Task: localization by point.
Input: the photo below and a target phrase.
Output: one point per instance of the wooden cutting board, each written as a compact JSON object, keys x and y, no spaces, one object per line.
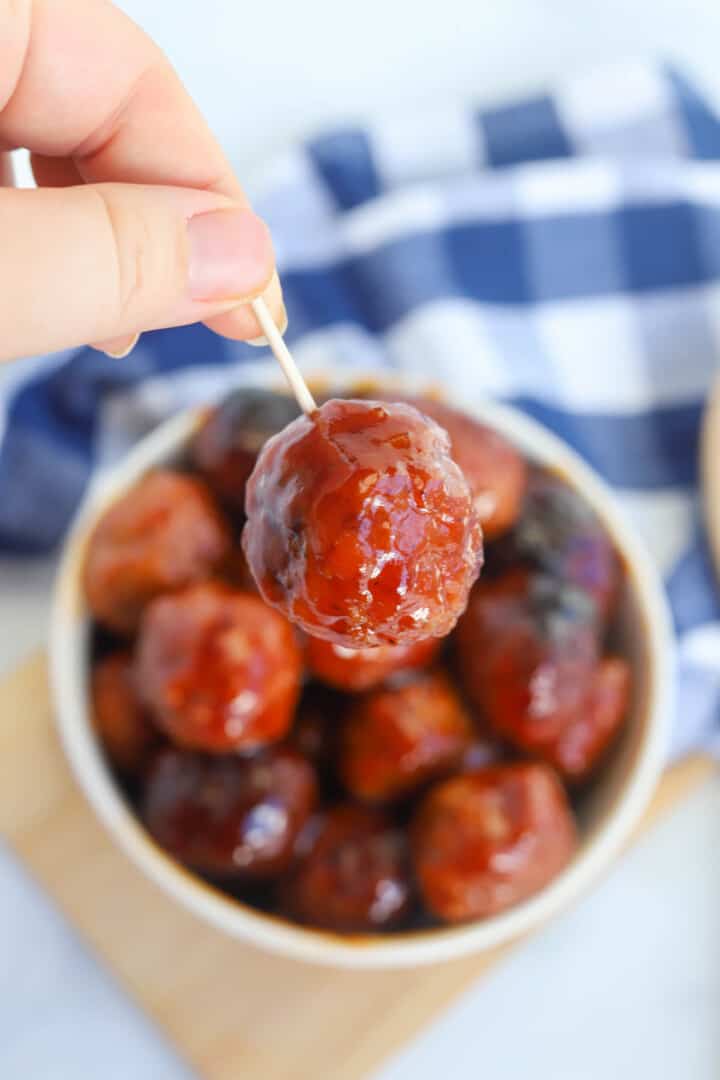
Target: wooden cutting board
{"x":231,"y":1010}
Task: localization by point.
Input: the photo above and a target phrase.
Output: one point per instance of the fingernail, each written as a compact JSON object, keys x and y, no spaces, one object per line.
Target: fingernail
{"x":274,"y":299}
{"x":230,"y":255}
{"x":118,"y":347}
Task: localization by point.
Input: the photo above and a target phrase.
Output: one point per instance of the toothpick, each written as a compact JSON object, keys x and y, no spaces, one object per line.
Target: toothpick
{"x":283,"y":356}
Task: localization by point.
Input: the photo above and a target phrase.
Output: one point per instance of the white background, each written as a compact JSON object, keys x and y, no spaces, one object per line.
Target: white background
{"x":628,"y":985}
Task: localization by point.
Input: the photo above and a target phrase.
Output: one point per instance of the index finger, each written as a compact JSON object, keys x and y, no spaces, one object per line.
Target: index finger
{"x":79,"y":80}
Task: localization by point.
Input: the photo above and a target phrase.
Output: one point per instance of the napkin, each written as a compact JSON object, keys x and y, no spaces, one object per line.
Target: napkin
{"x":561,"y":253}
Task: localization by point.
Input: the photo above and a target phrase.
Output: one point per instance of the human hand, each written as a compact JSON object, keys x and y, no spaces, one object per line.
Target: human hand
{"x":138,"y":221}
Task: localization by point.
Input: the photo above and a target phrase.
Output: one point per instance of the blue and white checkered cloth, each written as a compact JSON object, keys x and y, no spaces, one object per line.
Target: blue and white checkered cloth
{"x":562,"y":253}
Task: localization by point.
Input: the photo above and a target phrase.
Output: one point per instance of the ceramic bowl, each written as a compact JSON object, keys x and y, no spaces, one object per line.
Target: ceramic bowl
{"x":609,"y":812}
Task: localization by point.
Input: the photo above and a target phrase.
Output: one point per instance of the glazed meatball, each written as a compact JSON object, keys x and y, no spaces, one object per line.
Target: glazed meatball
{"x":363,"y":669}
{"x":581,"y":745}
{"x":218,"y":669}
{"x":227,"y":445}
{"x":560,"y":535}
{"x":229,"y":816}
{"x":162,"y":534}
{"x":355,"y":875}
{"x":528,"y":655}
{"x":495,"y":471}
{"x":118,"y":717}
{"x":395,"y":739}
{"x":527,"y":650}
{"x":485,"y":841}
{"x":360,"y":526}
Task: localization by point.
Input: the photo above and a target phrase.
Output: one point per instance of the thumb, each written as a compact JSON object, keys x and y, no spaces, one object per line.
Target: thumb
{"x":98,"y":263}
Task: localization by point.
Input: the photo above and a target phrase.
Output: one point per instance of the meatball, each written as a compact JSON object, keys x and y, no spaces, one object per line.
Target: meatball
{"x":485,"y":841}
{"x":581,"y":745}
{"x":162,"y":534}
{"x":118,"y":717}
{"x":495,"y":471}
{"x":218,"y":669}
{"x":528,"y":655}
{"x":355,"y":875}
{"x":229,"y":816}
{"x":226,"y":446}
{"x":360,"y":526}
{"x":395,"y":739}
{"x":560,"y":535}
{"x":527,"y":651}
{"x":363,"y":669}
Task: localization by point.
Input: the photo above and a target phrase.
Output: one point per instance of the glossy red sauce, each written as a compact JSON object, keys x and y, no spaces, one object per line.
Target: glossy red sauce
{"x":361,"y":528}
{"x":218,"y":669}
{"x":485,"y":841}
{"x":230,"y":816}
{"x":363,"y":669}
{"x":529,"y":655}
{"x":164,"y":533}
{"x":354,"y":875}
{"x":495,"y":470}
{"x":395,"y":739}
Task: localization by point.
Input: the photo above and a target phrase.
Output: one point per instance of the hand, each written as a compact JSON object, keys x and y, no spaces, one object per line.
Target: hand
{"x":138,"y":221}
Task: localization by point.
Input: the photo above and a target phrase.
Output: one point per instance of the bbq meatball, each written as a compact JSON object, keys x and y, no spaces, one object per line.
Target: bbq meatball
{"x":360,"y":526}
{"x":560,"y":535}
{"x":528,"y":656}
{"x":118,"y":717}
{"x":485,"y":841}
{"x":495,"y":471}
{"x":395,"y":739}
{"x":363,"y":669}
{"x":229,"y":816}
{"x":226,"y":446}
{"x":527,"y":650}
{"x":581,"y":745}
{"x":218,"y":669}
{"x":355,"y":875}
{"x":162,"y":534}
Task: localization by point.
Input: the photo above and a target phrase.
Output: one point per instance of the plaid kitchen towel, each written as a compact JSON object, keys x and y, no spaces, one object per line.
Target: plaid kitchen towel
{"x":561,"y":253}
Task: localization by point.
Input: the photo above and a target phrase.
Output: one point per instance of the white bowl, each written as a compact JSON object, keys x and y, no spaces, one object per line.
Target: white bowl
{"x":610,"y":811}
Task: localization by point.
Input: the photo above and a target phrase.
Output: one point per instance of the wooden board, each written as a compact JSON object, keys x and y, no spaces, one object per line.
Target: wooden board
{"x":230,"y":1010}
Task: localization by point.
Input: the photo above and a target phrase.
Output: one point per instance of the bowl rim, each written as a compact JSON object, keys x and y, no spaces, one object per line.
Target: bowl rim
{"x":67,"y":648}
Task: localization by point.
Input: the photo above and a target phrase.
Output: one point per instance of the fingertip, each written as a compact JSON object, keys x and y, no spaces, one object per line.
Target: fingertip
{"x":241,"y":324}
{"x":118,"y":348}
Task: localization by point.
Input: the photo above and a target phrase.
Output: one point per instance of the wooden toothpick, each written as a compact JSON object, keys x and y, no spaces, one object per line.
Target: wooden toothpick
{"x":284,"y":357}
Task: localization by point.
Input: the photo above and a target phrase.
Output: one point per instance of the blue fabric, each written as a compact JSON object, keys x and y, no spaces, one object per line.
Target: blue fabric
{"x":561,"y":253}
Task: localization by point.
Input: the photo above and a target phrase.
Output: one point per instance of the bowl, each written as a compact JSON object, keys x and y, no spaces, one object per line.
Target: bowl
{"x":609,"y":811}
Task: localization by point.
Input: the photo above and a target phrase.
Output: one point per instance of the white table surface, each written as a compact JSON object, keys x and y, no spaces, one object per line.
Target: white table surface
{"x":627,"y":986}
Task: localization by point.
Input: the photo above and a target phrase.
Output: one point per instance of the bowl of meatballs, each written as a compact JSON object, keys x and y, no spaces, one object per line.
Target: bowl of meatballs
{"x":381,"y":686}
